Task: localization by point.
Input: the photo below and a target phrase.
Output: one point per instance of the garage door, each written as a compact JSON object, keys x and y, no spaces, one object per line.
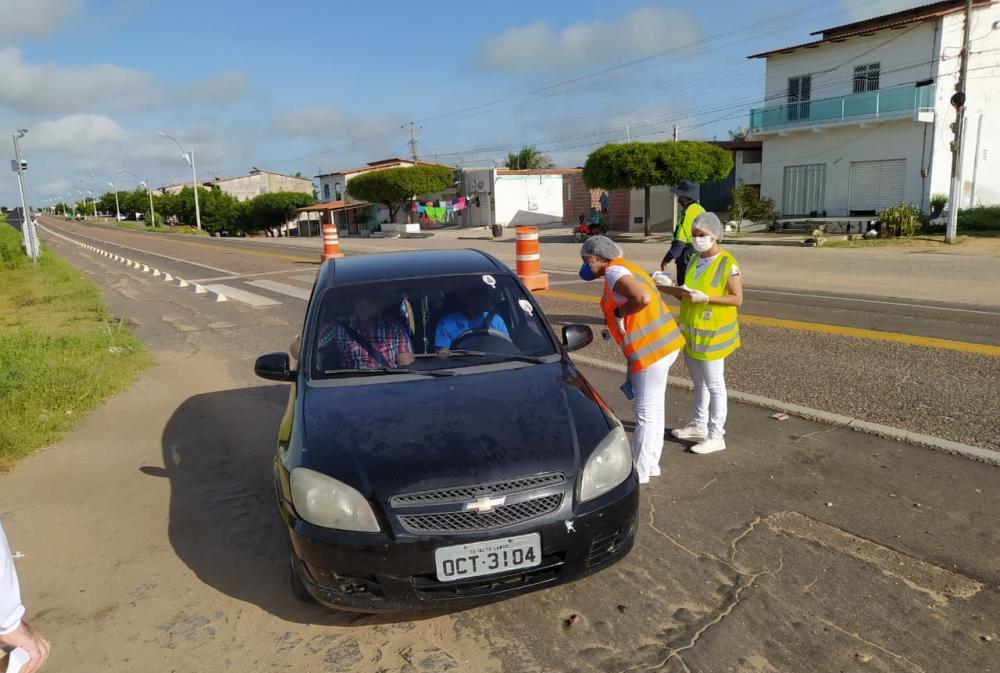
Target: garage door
{"x":876,"y":185}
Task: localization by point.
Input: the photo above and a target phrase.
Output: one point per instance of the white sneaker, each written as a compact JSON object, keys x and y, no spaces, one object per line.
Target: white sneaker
{"x":655,"y":472}
{"x":690,"y":432}
{"x":710,"y":445}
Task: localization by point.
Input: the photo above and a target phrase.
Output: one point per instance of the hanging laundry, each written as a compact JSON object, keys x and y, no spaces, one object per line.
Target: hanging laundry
{"x":435,"y":214}
{"x":420,"y":208}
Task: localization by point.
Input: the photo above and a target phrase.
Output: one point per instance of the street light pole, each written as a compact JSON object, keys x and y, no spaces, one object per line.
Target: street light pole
{"x":958,"y":102}
{"x":143,"y":183}
{"x":27,"y":228}
{"x":118,"y":211}
{"x":189,"y":157}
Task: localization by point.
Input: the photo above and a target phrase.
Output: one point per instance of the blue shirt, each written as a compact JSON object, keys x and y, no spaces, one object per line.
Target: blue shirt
{"x":453,"y":324}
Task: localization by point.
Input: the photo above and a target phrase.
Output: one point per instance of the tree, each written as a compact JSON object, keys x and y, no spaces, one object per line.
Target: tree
{"x":740,"y":133}
{"x":393,"y":186}
{"x":747,"y":204}
{"x":271,"y":211}
{"x":646,"y":165}
{"x":529,"y":158}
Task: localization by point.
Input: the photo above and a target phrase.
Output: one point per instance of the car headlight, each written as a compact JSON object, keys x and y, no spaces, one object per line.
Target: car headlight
{"x":324,"y":501}
{"x":610,"y":465}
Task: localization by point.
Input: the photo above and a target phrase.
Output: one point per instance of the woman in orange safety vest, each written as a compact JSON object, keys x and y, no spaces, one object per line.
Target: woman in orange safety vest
{"x":640,"y":322}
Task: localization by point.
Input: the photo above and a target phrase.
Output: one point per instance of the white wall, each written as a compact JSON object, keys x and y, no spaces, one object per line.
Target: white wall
{"x":904,"y":60}
{"x":661,"y":208}
{"x":528,"y":199}
{"x":837,"y":147}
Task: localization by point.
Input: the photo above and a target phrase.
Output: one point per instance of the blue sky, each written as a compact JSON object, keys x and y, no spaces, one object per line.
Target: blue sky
{"x":311,"y":86}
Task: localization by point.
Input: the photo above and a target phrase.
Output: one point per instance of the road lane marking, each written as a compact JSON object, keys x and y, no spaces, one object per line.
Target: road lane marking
{"x":281,"y":288}
{"x":305,"y":279}
{"x":250,"y":298}
{"x":914,"y":573}
{"x":240,"y":276}
{"x":875,"y":301}
{"x":837,"y":330}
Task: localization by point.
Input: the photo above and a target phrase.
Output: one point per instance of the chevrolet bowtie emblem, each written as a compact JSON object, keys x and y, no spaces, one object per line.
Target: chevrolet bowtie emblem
{"x":484,"y":504}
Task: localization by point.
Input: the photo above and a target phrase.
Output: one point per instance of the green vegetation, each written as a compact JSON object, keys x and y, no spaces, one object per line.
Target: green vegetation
{"x":393,"y":186}
{"x":978,"y":221}
{"x":61,"y":352}
{"x":938,"y":203}
{"x":747,"y":204}
{"x":646,"y":165}
{"x":528,"y":158}
{"x":900,"y":220}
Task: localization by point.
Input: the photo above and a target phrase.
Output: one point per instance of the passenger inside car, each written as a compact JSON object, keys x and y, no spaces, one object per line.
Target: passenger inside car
{"x":368,"y":332}
{"x":475,"y":311}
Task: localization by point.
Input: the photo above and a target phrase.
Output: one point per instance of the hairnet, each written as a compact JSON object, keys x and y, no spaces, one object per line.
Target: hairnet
{"x":600,"y":246}
{"x":709,"y":222}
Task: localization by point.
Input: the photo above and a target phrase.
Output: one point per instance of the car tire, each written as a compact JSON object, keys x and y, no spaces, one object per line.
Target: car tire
{"x":298,"y":586}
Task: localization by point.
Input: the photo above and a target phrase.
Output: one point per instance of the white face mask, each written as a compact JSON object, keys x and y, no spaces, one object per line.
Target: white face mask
{"x":702,"y":243}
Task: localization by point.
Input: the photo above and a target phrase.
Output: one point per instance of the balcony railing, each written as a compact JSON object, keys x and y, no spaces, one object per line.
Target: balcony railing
{"x":895,"y":102}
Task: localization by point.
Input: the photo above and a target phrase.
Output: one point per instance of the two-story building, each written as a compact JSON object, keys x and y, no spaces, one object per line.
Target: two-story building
{"x":859,"y":118}
{"x":246,"y":187}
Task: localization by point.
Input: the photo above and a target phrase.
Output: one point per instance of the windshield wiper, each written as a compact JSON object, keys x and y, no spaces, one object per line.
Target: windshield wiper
{"x":506,"y":356}
{"x":389,"y":370}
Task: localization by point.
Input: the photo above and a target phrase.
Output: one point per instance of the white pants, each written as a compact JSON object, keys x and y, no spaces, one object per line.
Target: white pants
{"x":710,"y":398}
{"x":650,"y":386}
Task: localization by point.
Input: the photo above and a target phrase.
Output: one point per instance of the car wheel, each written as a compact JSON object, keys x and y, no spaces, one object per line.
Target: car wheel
{"x":298,"y":587}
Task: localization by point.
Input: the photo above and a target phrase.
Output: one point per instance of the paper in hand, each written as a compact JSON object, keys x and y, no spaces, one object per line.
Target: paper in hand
{"x":17,"y":659}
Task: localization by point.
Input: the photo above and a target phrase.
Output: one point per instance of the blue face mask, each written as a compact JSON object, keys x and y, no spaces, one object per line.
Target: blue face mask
{"x":586,"y":273}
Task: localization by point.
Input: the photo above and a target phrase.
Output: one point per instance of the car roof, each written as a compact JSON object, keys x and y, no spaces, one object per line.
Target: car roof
{"x":409,"y":264}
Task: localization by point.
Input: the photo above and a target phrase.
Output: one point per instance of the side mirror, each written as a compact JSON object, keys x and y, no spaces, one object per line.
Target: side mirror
{"x":576,"y":337}
{"x":274,"y":366}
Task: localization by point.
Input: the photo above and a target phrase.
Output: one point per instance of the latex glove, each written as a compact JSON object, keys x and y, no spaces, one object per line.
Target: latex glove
{"x":698,"y":297}
{"x":662,"y":279}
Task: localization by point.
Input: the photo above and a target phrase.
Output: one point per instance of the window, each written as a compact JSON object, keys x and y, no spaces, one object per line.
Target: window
{"x":326,"y":192}
{"x":799,"y":94}
{"x":804,"y":190}
{"x":338,"y":195}
{"x":866,"y":77}
{"x":752,"y":156}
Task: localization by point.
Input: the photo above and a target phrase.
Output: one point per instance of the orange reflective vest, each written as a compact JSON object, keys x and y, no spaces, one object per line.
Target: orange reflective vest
{"x":652,"y":333}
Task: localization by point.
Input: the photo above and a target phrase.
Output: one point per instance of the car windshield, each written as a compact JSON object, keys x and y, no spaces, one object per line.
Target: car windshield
{"x":427,"y":325}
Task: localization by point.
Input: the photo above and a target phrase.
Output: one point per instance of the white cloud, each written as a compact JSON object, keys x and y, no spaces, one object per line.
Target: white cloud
{"x":329,"y":122}
{"x":32,"y":88}
{"x":77,"y":134}
{"x":230,"y":86}
{"x":33,"y":18}
{"x":870,"y":10}
{"x":641,"y":32}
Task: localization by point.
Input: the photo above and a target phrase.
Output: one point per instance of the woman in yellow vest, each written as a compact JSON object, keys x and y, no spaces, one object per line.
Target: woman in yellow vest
{"x":640,"y":322}
{"x":711,"y":292}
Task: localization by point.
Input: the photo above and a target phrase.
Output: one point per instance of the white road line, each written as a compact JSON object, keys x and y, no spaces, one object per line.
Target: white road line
{"x":243,"y":275}
{"x":305,"y":279}
{"x":874,"y":301}
{"x":250,"y":298}
{"x":281,"y":288}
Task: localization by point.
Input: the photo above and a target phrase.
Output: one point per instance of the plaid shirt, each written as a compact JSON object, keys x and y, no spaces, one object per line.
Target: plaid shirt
{"x":387,"y":338}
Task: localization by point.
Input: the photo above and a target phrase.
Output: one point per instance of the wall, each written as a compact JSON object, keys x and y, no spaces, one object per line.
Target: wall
{"x":836,"y":148}
{"x":577,"y":198}
{"x":906,"y":59}
{"x":528,"y":199}
{"x":661,"y":209}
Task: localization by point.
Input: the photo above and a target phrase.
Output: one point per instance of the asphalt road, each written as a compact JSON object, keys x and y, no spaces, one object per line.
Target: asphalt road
{"x":919,"y":365}
{"x":801,"y":548}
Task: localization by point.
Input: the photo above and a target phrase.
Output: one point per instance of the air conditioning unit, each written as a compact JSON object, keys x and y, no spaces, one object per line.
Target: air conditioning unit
{"x":480,"y":185}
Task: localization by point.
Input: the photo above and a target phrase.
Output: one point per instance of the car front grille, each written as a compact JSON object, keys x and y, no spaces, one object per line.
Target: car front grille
{"x":468,"y":522}
{"x":467,"y":493}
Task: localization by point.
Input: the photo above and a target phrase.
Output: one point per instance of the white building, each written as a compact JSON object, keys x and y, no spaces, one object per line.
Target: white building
{"x":860,"y":118}
{"x":513,"y":198}
{"x":246,"y":187}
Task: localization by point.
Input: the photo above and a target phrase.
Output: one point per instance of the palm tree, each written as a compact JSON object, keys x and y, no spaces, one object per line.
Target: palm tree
{"x":528,"y":158}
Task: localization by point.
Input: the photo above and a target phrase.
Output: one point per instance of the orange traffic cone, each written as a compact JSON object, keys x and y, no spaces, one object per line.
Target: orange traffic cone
{"x":529,"y":259}
{"x":331,"y":242}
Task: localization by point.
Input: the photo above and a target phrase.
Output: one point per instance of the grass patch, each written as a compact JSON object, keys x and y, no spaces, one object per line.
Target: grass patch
{"x":61,"y":351}
{"x":138,"y":226}
{"x":904,"y":241}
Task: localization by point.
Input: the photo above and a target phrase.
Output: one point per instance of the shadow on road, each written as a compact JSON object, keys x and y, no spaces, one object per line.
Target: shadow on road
{"x":224,"y":525}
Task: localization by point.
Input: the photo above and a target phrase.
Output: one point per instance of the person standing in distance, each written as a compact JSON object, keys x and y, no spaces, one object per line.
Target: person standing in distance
{"x":712,"y":291}
{"x":641,"y":323}
{"x":687,"y":193}
{"x":15,"y":632}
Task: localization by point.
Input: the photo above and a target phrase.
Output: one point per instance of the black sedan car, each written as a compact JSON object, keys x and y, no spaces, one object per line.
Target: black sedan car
{"x":439,"y":447}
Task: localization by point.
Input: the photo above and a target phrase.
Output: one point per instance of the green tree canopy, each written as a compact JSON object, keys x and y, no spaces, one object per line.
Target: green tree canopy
{"x":529,"y":157}
{"x":393,"y":186}
{"x":646,"y":165}
{"x":270,"y":211}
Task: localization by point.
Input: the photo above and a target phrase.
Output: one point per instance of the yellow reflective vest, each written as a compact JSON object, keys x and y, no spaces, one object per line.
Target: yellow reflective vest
{"x":683,"y":230}
{"x":712,"y":331}
{"x":652,"y":333}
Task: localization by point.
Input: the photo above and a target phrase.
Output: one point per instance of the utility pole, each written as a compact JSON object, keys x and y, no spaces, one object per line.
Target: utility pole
{"x":675,"y":196}
{"x":413,"y":139}
{"x":27,"y":224}
{"x":958,"y":102}
{"x":628,"y":137}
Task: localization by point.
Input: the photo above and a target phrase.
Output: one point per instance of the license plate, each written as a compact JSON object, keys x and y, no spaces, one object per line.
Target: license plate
{"x":488,"y":558}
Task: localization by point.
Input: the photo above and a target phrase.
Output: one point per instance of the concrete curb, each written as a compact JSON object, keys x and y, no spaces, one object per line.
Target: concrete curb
{"x":808,"y":413}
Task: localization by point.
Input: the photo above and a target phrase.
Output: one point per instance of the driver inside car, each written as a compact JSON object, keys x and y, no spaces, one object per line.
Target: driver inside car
{"x":371,"y":335}
{"x":475,"y":313}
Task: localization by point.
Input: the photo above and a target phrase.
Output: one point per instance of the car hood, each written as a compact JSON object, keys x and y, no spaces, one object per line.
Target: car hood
{"x":395,"y":436}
